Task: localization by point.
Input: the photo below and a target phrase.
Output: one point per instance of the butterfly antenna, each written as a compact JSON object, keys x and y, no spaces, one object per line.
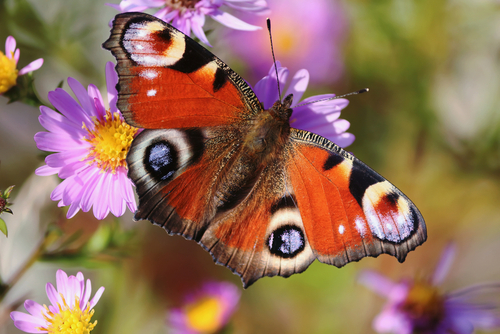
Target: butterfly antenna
{"x":272,"y":51}
{"x":364,"y":90}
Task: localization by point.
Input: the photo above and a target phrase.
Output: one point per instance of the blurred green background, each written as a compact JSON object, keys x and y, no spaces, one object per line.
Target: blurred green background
{"x":430,"y":124}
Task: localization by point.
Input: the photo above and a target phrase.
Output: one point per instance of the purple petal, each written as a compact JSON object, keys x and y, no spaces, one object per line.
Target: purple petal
{"x":65,"y":104}
{"x":47,"y":141}
{"x":93,"y":178}
{"x":62,"y":283}
{"x":376,"y":282}
{"x":10,"y":46}
{"x":71,"y":169}
{"x":80,"y":285}
{"x":33,"y":66}
{"x":126,"y":188}
{"x":343,"y":140}
{"x":117,"y":203}
{"x":101,"y":203}
{"x":86,"y":295}
{"x":97,"y":296}
{"x":82,"y":96}
{"x":197,"y":26}
{"x":111,"y":81}
{"x":232,"y":22}
{"x":71,"y":291}
{"x":27,"y":323}
{"x":98,"y":102}
{"x":57,"y":123}
{"x":52,"y":294}
{"x":444,"y":264}
{"x":392,"y":321}
{"x":298,"y":85}
{"x":267,"y":88}
{"x":72,"y":210}
{"x":58,"y":160}
{"x":46,"y":171}
{"x":258,"y":7}
{"x":34,"y":308}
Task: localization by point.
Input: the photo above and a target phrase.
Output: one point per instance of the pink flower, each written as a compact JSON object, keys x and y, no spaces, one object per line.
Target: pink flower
{"x":91,"y":144}
{"x":321,"y":118}
{"x":417,"y":306}
{"x":71,"y":306}
{"x":206,"y":311}
{"x":309,"y":33}
{"x":8,"y":65}
{"x":189,"y":15}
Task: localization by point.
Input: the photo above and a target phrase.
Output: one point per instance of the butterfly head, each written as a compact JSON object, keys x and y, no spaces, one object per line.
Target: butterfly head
{"x":282,"y":110}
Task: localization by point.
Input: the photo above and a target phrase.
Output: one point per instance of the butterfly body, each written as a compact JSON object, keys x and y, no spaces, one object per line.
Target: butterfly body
{"x":212,"y":165}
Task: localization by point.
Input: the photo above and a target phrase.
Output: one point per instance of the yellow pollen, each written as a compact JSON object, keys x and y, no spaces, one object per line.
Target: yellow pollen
{"x":8,"y":72}
{"x":205,"y":315}
{"x":425,"y":302}
{"x":111,"y":138}
{"x":69,"y":321}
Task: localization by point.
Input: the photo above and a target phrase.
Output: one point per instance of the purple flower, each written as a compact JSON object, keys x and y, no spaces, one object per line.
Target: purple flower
{"x":321,"y":118}
{"x":8,"y":64}
{"x":71,"y":306}
{"x":304,"y":33}
{"x":417,"y":306}
{"x":91,"y":144}
{"x":189,"y":15}
{"x":206,"y":311}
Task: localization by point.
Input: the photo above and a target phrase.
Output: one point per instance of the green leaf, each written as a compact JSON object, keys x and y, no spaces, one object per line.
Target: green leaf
{"x":7,"y":191}
{"x":3,"y":227}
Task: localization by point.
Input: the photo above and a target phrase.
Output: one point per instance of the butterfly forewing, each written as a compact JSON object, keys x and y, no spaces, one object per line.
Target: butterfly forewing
{"x":167,"y":80}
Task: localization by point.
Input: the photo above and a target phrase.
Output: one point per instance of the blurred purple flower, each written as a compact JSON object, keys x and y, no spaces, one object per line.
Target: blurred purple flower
{"x":321,"y":118}
{"x":206,"y":311}
{"x":417,"y":306}
{"x":71,"y":307}
{"x":8,"y":64}
{"x":189,"y":15}
{"x":91,"y":144}
{"x":304,"y":33}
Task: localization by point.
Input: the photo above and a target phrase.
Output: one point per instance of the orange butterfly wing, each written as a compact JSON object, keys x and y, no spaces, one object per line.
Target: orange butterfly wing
{"x":167,"y":80}
{"x":349,"y":210}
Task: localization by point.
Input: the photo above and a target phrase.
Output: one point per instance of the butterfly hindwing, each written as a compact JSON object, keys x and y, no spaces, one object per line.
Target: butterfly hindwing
{"x":349,"y":210}
{"x":167,"y":80}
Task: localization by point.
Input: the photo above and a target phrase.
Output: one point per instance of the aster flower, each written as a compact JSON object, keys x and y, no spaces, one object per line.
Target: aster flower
{"x":206,"y":311}
{"x":71,"y":307}
{"x":91,"y":144}
{"x":317,"y":42}
{"x":418,"y":306}
{"x":321,"y":118}
{"x":8,"y":65}
{"x":189,"y":15}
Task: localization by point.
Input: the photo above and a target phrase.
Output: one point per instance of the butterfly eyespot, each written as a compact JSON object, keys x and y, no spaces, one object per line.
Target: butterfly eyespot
{"x":286,"y":241}
{"x":161,"y":160}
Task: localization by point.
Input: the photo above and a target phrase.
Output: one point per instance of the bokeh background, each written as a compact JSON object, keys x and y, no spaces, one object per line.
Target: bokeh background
{"x":430,"y":124}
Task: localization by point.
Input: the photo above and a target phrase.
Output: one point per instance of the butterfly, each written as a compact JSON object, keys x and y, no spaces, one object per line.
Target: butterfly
{"x":212,"y":165}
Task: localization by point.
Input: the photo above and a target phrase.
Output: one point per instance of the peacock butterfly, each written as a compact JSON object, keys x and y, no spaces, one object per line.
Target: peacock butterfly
{"x":212,"y":165}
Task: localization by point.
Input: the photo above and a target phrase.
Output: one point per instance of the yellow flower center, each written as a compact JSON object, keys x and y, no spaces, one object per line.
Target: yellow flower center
{"x":425,"y":303}
{"x":111,"y":138}
{"x":205,"y":315}
{"x":8,"y":72}
{"x":69,"y":321}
